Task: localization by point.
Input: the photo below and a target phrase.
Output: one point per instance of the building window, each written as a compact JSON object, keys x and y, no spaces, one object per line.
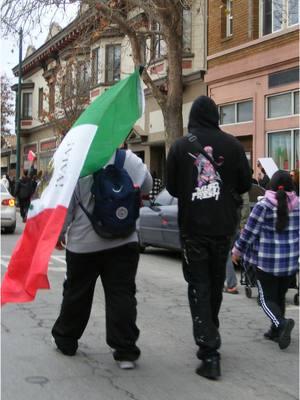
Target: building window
{"x":229,"y":18}
{"x":278,"y":14}
{"x":296,"y":148}
{"x":113,"y":63}
{"x":41,"y":99}
{"x":51,"y":97}
{"x":283,"y":147}
{"x":284,"y":77}
{"x":293,"y":12}
{"x":226,"y":19}
{"x":187,"y":30}
{"x":158,"y":45}
{"x":283,"y":105}
{"x":82,"y":79}
{"x":236,"y":112}
{"x":296,"y":103}
{"x":95,"y":66}
{"x":27,"y":105}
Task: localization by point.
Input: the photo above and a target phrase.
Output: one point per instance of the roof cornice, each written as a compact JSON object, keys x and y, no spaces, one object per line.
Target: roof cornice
{"x":55,"y":44}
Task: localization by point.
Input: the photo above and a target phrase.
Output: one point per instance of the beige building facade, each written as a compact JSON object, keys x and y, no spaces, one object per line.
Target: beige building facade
{"x":109,"y":60}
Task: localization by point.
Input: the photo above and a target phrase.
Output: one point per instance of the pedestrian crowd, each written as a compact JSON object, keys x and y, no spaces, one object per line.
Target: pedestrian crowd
{"x":24,"y":189}
{"x":208,"y":171}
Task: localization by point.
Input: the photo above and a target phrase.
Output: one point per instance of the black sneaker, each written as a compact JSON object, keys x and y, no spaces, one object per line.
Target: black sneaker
{"x":284,"y":338}
{"x":65,"y":350}
{"x":272,"y":334}
{"x":210,"y":368}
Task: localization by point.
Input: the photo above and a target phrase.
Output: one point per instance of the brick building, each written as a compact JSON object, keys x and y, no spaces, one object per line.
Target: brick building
{"x":253,"y":75}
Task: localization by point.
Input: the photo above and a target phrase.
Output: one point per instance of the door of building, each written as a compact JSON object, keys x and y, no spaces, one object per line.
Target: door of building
{"x":158,"y":161}
{"x":246,"y":142}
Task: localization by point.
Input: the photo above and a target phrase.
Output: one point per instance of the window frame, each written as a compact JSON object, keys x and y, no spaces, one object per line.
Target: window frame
{"x":292,"y":132}
{"x":187,"y":27}
{"x":82,"y":78}
{"x":51,"y":97}
{"x":41,"y":101}
{"x":95,"y":80}
{"x":156,"y":52}
{"x":293,"y":114}
{"x":27,"y":113}
{"x":107,"y":47}
{"x":235,"y":112}
{"x":229,"y":19}
{"x":285,"y":17}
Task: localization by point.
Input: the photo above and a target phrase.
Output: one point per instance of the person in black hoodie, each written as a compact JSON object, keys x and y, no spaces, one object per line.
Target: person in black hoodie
{"x":23,"y":192}
{"x":207,"y":170}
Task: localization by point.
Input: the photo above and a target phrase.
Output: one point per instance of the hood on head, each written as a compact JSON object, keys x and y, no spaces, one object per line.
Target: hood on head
{"x":204,"y":113}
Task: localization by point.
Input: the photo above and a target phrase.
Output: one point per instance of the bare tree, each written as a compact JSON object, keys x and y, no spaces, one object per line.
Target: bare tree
{"x":7,"y":109}
{"x":68,"y":93}
{"x":163,"y":18}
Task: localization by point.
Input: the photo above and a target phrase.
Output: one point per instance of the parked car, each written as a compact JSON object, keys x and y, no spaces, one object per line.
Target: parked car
{"x":8,"y":211}
{"x":158,"y":226}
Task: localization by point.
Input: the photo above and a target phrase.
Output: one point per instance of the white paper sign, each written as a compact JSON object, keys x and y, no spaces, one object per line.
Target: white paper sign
{"x":268,"y":165}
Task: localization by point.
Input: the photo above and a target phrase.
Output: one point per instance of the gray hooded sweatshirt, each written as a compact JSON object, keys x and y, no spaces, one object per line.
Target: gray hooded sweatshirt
{"x":80,"y":235}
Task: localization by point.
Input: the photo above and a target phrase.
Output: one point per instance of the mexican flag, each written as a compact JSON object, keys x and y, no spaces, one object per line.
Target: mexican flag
{"x":88,"y":146}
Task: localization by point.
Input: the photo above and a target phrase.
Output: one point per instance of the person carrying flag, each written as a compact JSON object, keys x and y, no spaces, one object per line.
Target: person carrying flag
{"x":115,"y":260}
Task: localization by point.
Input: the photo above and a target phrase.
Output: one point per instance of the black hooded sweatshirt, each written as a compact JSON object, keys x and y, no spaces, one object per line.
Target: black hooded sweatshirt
{"x":208,"y":193}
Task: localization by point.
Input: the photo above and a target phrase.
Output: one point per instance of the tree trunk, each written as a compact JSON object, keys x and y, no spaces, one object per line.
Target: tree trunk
{"x":173,"y":110}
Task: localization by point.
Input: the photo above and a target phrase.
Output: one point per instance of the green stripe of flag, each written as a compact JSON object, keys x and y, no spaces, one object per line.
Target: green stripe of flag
{"x":114,"y":113}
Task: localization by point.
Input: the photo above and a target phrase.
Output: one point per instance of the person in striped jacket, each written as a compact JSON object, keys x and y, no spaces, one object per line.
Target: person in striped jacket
{"x":270,"y":241}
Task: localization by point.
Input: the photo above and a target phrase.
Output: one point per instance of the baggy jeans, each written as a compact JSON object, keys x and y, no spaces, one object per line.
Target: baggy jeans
{"x":117,"y":269}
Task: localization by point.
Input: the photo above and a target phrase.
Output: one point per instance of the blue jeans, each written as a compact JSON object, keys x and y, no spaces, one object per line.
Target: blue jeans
{"x":231,"y":280}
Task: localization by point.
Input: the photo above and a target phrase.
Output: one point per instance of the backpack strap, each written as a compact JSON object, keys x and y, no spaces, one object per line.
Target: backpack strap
{"x":120,"y":158}
{"x":193,"y":139}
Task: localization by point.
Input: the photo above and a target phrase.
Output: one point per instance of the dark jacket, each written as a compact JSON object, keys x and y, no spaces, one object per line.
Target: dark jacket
{"x":208,"y":196}
{"x":23,"y":190}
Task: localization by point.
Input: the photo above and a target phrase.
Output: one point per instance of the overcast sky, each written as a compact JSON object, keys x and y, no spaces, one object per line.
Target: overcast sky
{"x":9,"y":47}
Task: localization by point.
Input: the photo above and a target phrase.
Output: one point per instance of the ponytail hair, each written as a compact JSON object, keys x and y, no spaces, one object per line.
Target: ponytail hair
{"x":281,"y":183}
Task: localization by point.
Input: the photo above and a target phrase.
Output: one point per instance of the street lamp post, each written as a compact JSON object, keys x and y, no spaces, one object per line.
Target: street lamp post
{"x":18,"y":114}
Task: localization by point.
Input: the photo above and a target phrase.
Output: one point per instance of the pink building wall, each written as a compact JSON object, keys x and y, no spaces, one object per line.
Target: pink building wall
{"x":247,"y":78}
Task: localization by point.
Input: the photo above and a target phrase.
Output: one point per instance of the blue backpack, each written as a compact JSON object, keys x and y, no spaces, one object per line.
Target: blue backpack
{"x":117,"y":200}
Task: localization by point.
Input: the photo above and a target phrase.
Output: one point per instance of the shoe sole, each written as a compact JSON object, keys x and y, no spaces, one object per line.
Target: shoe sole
{"x":126,"y":365}
{"x":284,"y":339}
{"x":213,"y":376}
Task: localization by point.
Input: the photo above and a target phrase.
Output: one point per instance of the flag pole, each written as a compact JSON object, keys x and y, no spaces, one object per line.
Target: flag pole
{"x":18,"y":130}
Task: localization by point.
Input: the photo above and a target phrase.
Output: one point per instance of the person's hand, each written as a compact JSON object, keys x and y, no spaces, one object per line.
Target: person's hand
{"x":61,"y":244}
{"x":235,"y":259}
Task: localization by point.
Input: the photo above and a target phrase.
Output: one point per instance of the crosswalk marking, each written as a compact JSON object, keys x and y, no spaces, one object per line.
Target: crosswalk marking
{"x":5,"y":260}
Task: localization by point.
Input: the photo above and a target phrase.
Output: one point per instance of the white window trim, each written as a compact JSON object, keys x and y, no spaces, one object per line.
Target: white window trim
{"x":229,"y":17}
{"x":235,"y":112}
{"x":285,"y":20}
{"x":292,"y":134}
{"x":292,"y":105}
{"x":22,"y":105}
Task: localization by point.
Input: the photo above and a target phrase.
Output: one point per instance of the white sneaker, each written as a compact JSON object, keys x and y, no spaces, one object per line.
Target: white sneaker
{"x":126,"y":364}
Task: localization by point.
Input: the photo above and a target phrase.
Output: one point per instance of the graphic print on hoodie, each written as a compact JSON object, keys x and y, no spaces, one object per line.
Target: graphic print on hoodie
{"x":209,"y":181}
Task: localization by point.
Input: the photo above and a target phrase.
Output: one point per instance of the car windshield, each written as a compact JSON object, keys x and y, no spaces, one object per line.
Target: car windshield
{"x":3,"y":188}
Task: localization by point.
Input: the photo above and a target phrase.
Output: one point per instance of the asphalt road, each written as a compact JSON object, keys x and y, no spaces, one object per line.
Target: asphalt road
{"x":252,"y":368}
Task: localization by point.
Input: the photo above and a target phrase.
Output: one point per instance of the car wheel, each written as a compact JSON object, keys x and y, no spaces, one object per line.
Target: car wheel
{"x":142,"y":248}
{"x":11,"y":229}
